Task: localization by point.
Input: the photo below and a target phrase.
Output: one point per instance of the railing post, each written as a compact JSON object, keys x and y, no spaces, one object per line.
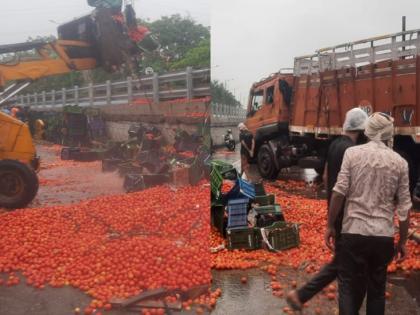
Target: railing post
{"x":190,"y":88}
{"x":53,"y":97}
{"x":156,"y":98}
{"x":394,"y":49}
{"x":36,"y":98}
{"x":64,"y":96}
{"x":76,"y":95}
{"x":21,"y":99}
{"x":108,"y":92}
{"x":130,"y":90}
{"x":44,"y":98}
{"x":90,"y":92}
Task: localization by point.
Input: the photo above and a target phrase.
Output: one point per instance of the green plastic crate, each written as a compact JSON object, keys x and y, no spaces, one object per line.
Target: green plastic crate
{"x":228,"y":171}
{"x":241,"y":238}
{"x":283,"y":235}
{"x":258,"y":238}
{"x":265,"y":200}
{"x":216,"y":181}
{"x":270,"y":209}
{"x":218,"y":218}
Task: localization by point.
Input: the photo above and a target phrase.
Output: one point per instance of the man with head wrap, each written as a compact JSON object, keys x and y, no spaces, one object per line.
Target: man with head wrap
{"x":374,"y":182}
{"x":353,"y":128}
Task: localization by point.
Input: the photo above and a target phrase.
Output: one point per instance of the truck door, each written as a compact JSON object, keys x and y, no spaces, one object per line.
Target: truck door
{"x":254,"y":115}
{"x":269,"y":115}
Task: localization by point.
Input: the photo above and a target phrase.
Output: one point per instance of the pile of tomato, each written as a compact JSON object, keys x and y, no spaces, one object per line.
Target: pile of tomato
{"x":311,"y":215}
{"x":114,"y":246}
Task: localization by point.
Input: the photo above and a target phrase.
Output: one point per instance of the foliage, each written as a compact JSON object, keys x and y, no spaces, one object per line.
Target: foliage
{"x":197,"y":57}
{"x":183,"y":42}
{"x":221,"y":95}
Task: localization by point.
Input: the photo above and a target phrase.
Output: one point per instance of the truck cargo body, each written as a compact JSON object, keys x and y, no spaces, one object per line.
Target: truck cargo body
{"x":295,"y":116}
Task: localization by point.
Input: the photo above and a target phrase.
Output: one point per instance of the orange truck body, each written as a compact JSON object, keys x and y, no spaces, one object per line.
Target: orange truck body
{"x":308,"y":106}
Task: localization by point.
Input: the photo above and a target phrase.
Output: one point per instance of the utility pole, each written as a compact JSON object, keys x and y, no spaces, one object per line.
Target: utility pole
{"x":403,"y":22}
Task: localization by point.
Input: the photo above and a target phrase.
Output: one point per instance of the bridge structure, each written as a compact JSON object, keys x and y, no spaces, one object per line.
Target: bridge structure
{"x":177,"y":93}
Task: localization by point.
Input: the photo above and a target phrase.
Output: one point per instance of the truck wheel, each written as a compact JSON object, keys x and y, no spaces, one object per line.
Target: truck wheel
{"x":18,"y":184}
{"x":320,"y":170}
{"x":266,"y":164}
{"x":412,"y":169}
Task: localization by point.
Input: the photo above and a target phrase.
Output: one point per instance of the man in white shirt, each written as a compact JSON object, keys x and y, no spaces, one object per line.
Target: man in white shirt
{"x":374,"y":183}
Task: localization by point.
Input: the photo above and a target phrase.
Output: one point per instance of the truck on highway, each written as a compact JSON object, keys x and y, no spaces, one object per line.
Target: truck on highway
{"x":294,"y":115}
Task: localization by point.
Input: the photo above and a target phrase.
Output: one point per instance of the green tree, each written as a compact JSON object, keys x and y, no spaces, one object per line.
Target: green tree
{"x":219,"y":94}
{"x":183,"y":43}
{"x":198,"y":57}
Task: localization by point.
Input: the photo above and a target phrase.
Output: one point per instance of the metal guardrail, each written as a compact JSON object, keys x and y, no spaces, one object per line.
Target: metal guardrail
{"x":154,"y":89}
{"x":354,"y":54}
{"x":225,"y":111}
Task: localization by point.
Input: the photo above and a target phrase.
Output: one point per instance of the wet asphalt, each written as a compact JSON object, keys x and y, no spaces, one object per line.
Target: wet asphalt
{"x":254,"y":297}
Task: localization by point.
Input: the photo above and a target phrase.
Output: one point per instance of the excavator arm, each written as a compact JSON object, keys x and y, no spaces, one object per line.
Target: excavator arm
{"x":32,"y":61}
{"x":105,"y":38}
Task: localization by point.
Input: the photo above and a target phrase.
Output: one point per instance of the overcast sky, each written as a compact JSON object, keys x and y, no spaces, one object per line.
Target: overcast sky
{"x":24,"y":18}
{"x":253,"y":38}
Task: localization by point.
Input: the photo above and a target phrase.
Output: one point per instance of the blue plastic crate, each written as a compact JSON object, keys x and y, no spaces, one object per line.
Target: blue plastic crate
{"x":237,"y":221}
{"x":238,"y":212}
{"x":242,"y":189}
{"x":238,"y":206}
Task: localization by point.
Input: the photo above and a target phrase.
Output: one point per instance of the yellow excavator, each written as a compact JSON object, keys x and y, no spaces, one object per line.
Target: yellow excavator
{"x":109,"y":37}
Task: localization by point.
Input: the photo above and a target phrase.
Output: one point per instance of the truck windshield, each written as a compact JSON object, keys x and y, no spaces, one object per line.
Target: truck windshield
{"x":257,"y":100}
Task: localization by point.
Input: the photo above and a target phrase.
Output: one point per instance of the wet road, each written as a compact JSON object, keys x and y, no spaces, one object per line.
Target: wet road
{"x":61,"y":182}
{"x":65,"y":182}
{"x":255,"y":297}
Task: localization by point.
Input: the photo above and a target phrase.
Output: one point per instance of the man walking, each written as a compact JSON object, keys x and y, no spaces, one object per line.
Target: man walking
{"x":374,"y":182}
{"x":353,"y":128}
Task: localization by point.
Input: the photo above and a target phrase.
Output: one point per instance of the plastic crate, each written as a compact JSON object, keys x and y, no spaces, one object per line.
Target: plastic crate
{"x":216,"y":181}
{"x":228,"y":171}
{"x":259,"y":189}
{"x":218,"y":218}
{"x":181,"y":176}
{"x":270,"y":209}
{"x":133,"y":182}
{"x":67,"y":153}
{"x":265,"y":200}
{"x":268,"y":215}
{"x":283,"y":235}
{"x":196,"y":171}
{"x":110,"y":165}
{"x":221,"y":166}
{"x":241,"y":238}
{"x":241,"y":189}
{"x":238,"y":212}
{"x":257,"y":238}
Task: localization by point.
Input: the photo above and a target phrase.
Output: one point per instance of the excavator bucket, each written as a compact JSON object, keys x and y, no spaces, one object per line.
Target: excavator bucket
{"x":115,"y":37}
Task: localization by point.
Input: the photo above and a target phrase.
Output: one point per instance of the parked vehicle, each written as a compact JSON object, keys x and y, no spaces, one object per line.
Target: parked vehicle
{"x":230,"y":143}
{"x":294,"y":115}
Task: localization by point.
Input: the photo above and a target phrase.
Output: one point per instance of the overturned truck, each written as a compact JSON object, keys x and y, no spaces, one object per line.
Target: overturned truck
{"x":295,"y":115}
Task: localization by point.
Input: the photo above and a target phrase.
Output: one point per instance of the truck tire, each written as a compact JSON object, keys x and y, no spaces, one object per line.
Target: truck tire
{"x":412,"y":169}
{"x":266,"y":164}
{"x":18,"y":184}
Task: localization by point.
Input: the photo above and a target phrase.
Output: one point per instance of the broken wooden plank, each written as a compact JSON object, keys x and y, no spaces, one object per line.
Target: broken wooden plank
{"x":195,"y":292}
{"x":147,"y":295}
{"x":176,"y":306}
